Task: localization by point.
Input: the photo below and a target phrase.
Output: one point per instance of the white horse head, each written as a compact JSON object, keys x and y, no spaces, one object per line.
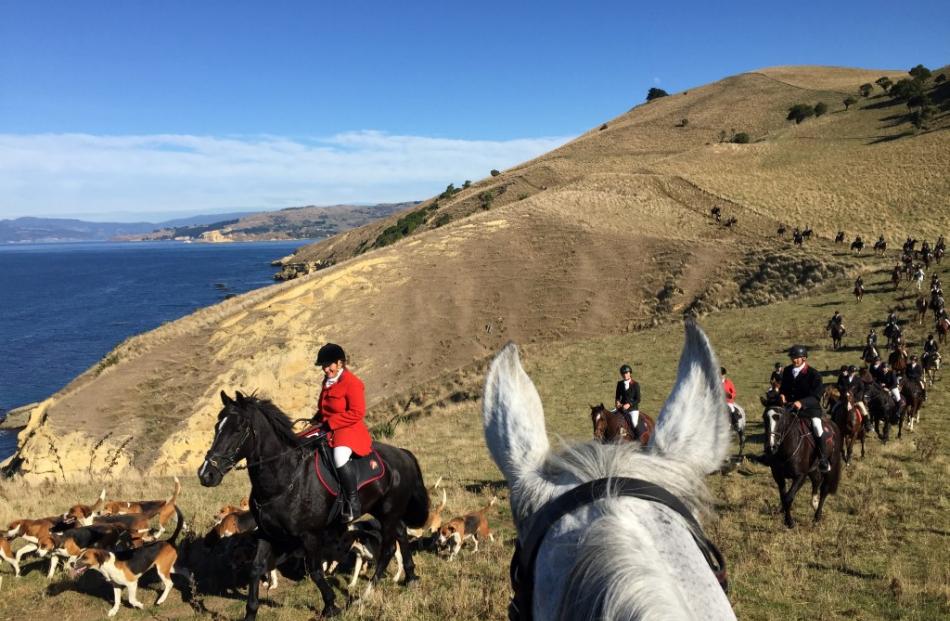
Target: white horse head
{"x":620,"y":557}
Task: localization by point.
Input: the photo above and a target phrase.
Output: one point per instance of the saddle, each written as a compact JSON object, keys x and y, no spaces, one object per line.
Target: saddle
{"x":369,"y":468}
{"x":828,"y":432}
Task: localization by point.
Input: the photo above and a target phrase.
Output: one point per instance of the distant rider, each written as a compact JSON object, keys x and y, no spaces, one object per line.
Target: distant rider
{"x":627,"y":398}
{"x":730,"y":389}
{"x":801,"y":390}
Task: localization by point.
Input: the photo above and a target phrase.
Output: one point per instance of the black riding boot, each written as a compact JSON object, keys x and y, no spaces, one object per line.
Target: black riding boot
{"x":823,"y":464}
{"x":351,"y":498}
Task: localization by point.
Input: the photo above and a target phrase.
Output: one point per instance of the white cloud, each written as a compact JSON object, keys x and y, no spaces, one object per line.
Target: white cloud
{"x":78,"y":174}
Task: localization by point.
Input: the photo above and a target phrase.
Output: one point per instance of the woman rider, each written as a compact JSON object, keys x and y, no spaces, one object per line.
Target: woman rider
{"x":627,"y":398}
{"x":341,"y":409}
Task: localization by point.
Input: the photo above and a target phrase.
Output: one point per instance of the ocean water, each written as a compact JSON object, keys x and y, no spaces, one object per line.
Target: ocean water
{"x":65,"y":306}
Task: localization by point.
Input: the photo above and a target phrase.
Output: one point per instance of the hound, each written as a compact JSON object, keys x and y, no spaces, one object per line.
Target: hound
{"x":124,"y":568}
{"x":223,"y":512}
{"x":434,"y":521}
{"x":83,"y":515}
{"x":164,"y":509}
{"x":470,"y":527}
{"x":37,"y":533}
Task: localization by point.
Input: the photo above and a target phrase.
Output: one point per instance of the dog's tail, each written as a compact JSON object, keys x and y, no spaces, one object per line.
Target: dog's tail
{"x":437,"y":483}
{"x":444,"y":499}
{"x":417,"y":511}
{"x":491,"y":503}
{"x":101,"y":499}
{"x":179,"y":525}
{"x":173,"y":499}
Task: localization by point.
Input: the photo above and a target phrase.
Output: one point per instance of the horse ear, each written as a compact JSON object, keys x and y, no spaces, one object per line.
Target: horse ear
{"x":513,"y":417}
{"x":225,"y":399}
{"x":692,"y":425}
{"x":241,"y":399}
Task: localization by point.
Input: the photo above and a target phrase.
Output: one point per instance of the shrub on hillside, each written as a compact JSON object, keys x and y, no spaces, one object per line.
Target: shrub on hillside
{"x":450,"y":191}
{"x":920,"y":72}
{"x":849,"y":101}
{"x":940,"y":78}
{"x":603,"y":127}
{"x":683,"y":123}
{"x":656,"y":93}
{"x":799,"y":112}
{"x":884,"y":83}
{"x":741,"y":138}
{"x":466,"y":184}
{"x":820,"y":108}
{"x":865,"y":89}
{"x":906,"y":89}
{"x":494,"y":172}
{"x":485,"y":199}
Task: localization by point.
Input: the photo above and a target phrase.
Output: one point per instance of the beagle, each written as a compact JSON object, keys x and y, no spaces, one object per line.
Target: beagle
{"x":470,"y":527}
{"x":84,"y":514}
{"x":223,"y":512}
{"x":234,"y":523}
{"x":164,"y":509}
{"x":123,"y":568}
{"x":362,"y":544}
{"x":37,"y":533}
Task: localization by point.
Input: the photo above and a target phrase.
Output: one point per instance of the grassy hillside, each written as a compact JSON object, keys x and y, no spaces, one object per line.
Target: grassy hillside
{"x":880,"y":552}
{"x":609,"y":234}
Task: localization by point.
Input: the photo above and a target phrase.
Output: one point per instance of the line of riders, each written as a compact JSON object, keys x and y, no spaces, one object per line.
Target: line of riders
{"x":909,"y":253}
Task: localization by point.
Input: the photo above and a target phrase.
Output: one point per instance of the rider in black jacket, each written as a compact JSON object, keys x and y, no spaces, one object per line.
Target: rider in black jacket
{"x":628,"y":398}
{"x":802,"y":390}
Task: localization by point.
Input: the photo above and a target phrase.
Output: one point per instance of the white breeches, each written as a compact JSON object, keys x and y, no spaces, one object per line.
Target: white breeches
{"x":341,"y":454}
{"x":816,"y":423}
{"x":634,"y":417}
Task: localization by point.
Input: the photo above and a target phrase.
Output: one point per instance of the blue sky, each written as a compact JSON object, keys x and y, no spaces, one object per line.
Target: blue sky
{"x":129,"y":108}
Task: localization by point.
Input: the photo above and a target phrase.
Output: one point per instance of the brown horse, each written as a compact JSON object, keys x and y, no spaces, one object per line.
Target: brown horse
{"x":613,"y":426}
{"x":790,"y":453}
{"x":859,"y":292}
{"x":913,"y":395}
{"x":837,"y":333}
{"x":921,"y":305}
{"x":898,"y":358}
{"x":848,"y":414}
{"x":931,"y":364}
{"x":943,"y":328}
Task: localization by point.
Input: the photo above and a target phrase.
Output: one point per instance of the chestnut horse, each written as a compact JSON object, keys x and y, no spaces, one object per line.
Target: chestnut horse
{"x":845,"y":415}
{"x":613,"y":426}
{"x":921,"y":305}
{"x":912,"y":394}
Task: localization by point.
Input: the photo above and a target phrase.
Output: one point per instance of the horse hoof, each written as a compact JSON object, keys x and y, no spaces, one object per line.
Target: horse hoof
{"x":410,"y":579}
{"x":330,"y":611}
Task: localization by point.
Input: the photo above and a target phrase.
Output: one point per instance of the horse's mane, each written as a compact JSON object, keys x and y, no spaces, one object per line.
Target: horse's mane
{"x":612,"y":577}
{"x":275,"y":417}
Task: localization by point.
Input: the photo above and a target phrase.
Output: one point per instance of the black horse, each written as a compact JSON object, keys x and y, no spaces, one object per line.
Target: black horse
{"x":882,"y":407}
{"x":290,"y":504}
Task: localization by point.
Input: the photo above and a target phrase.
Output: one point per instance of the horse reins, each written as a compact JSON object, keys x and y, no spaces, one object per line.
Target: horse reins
{"x":525,"y":556}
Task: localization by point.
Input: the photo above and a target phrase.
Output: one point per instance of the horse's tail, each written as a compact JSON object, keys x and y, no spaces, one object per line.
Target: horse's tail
{"x":417,"y":511}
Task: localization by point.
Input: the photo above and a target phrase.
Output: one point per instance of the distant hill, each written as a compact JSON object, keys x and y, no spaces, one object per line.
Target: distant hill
{"x":309,"y":222}
{"x":29,"y":229}
{"x":604,"y":236}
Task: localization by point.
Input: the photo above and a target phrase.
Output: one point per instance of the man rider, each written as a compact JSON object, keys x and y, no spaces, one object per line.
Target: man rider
{"x":836,"y":320}
{"x":877,"y":370}
{"x":776,"y":378}
{"x":627,"y":397}
{"x":801,"y":390}
{"x":915,"y":373}
{"x":892,"y":382}
{"x":930,"y":345}
{"x":872,"y":338}
{"x":844,"y":380}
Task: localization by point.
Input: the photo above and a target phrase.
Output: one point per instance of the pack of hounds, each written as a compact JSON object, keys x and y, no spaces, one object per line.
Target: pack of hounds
{"x":124,"y":540}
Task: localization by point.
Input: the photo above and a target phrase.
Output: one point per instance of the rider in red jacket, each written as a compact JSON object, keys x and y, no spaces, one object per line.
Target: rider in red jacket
{"x":730,"y":390}
{"x":341,"y":410}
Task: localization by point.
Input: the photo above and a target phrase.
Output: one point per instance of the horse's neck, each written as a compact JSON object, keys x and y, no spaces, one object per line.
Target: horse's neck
{"x":273,"y":463}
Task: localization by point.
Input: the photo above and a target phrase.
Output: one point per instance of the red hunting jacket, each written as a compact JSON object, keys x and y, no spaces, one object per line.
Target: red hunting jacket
{"x":343,"y":407}
{"x":730,"y":389}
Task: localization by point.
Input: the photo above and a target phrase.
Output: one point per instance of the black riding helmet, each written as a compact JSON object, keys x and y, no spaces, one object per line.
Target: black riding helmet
{"x":797,"y":351}
{"x":625,"y":369}
{"x":330,"y":353}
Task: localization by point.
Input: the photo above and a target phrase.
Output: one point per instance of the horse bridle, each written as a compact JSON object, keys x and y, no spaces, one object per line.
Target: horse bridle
{"x":525,"y":556}
{"x":227,"y":461}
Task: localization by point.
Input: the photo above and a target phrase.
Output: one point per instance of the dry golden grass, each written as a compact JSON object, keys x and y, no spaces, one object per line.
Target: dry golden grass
{"x":880,"y":553}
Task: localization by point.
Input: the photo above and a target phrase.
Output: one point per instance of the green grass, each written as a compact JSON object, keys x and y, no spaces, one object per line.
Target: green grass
{"x":881,"y":552}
